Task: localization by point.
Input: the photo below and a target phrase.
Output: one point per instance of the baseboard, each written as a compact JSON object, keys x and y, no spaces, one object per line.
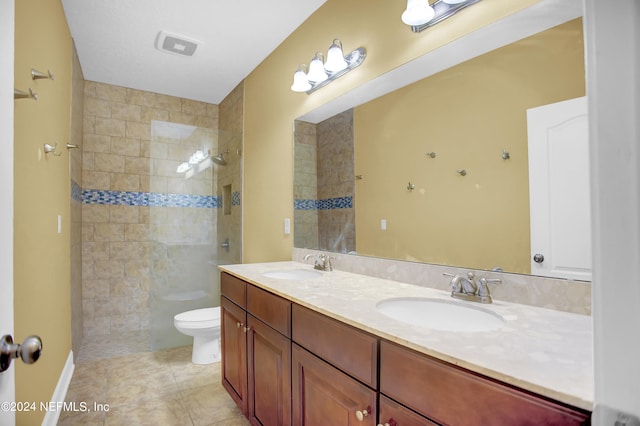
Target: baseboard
{"x":60,"y":392}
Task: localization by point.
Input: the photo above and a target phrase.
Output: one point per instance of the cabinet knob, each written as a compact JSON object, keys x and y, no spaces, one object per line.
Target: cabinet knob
{"x":246,"y":329}
{"x":360,"y":415}
{"x":238,"y":324}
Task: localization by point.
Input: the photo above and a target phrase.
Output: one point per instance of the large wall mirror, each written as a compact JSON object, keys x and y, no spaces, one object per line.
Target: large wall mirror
{"x":436,"y":171}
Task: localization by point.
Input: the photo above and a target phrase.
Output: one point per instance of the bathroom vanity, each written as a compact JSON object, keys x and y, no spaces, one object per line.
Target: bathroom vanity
{"x":306,"y":347}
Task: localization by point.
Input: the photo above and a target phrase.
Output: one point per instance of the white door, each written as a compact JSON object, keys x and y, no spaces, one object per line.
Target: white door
{"x":7,"y":378}
{"x":559,"y":190}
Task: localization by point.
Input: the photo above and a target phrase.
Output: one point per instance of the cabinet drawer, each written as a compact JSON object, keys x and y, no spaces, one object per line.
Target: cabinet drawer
{"x":233,"y":289}
{"x":394,"y":414}
{"x":271,"y":309}
{"x":351,"y":350}
{"x":450,"y":395}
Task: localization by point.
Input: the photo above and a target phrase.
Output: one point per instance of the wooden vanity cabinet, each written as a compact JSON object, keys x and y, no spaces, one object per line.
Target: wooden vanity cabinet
{"x":451,"y":395}
{"x":262,"y":331}
{"x":285,"y":364}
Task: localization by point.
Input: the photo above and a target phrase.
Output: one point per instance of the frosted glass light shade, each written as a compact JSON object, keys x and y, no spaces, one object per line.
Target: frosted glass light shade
{"x":418,"y":12}
{"x":300,"y":81}
{"x":317,"y":74}
{"x":453,"y":1}
{"x":335,"y":58}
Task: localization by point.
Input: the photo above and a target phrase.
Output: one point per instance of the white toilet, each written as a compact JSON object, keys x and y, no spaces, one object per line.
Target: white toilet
{"x":204,"y":326}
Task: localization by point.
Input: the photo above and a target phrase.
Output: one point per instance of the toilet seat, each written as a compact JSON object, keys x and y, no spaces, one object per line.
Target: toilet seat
{"x":198,"y":318}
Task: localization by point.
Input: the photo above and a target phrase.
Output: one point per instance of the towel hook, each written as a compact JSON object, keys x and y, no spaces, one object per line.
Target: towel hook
{"x":39,"y":75}
{"x":51,"y":149}
{"x":21,"y":94}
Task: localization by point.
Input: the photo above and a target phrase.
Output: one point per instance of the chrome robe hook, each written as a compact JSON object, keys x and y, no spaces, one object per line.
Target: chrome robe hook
{"x":51,"y":149}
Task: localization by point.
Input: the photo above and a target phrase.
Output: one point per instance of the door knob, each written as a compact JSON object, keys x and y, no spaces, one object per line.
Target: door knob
{"x":360,"y":415}
{"x":538,"y":258}
{"x":29,"y":351}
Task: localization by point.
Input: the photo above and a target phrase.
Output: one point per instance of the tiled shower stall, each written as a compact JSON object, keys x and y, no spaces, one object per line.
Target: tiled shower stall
{"x":152,"y":236}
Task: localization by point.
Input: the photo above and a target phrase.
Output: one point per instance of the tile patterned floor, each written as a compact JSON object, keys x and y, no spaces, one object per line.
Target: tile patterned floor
{"x":141,"y":387}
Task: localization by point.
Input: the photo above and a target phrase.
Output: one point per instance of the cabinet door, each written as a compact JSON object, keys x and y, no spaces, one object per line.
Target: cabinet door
{"x":394,"y":414}
{"x":234,"y":352}
{"x":269,"y":357}
{"x":323,"y":395}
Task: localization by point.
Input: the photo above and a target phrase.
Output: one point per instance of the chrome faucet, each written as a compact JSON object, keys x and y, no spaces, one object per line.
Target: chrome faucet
{"x":468,"y":289}
{"x":323,"y":261}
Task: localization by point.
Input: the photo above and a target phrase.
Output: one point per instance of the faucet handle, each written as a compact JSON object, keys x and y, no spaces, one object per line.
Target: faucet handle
{"x":483,"y":289}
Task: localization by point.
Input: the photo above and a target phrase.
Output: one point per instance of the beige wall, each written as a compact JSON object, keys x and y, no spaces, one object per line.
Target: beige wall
{"x":467,"y":115}
{"x":271,"y":107}
{"x":42,"y":192}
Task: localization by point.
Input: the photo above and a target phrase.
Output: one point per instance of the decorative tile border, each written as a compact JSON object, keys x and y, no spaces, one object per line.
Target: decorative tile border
{"x":149,"y":199}
{"x":235,"y":199}
{"x":76,"y":191}
{"x":325,"y":204}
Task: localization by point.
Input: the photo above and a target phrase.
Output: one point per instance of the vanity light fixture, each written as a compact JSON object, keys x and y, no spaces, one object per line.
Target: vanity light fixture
{"x":419,"y":15}
{"x":321,"y":72}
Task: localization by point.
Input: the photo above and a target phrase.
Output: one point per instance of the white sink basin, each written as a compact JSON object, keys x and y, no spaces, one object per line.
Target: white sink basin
{"x":441,"y":314}
{"x":293,"y":274}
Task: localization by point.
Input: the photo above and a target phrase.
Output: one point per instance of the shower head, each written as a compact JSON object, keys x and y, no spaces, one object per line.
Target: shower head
{"x":219,"y":159}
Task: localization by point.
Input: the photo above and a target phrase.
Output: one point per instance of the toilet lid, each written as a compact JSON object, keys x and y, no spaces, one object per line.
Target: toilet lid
{"x":199,"y":315}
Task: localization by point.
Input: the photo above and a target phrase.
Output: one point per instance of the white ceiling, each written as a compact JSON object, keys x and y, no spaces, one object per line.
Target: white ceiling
{"x":116,"y":39}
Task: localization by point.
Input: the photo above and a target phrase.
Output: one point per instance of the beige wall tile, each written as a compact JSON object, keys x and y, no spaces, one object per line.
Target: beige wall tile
{"x":97,"y":107}
{"x":110,"y":92}
{"x":94,"y":288}
{"x":123,"y":214}
{"x":169,"y":103}
{"x":95,"y":213}
{"x":125,"y":182}
{"x":95,"y":180}
{"x":126,"y":112}
{"x":125,"y":146}
{"x":136,"y":232}
{"x":109,"y":163}
{"x":108,"y":232}
{"x":194,"y":107}
{"x":140,"y":97}
{"x":137,"y":165}
{"x":140,"y":131}
{"x":109,"y":127}
{"x":95,"y":143}
{"x":149,"y":114}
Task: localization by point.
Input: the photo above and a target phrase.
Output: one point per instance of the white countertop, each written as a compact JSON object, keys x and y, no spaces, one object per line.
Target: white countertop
{"x":541,"y":350}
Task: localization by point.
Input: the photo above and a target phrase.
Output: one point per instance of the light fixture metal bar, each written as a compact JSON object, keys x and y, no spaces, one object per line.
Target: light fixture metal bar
{"x":443,"y":11}
{"x":354,"y":59}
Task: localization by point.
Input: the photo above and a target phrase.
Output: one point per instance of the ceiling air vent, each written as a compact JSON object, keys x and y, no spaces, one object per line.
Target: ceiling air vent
{"x":176,"y":44}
